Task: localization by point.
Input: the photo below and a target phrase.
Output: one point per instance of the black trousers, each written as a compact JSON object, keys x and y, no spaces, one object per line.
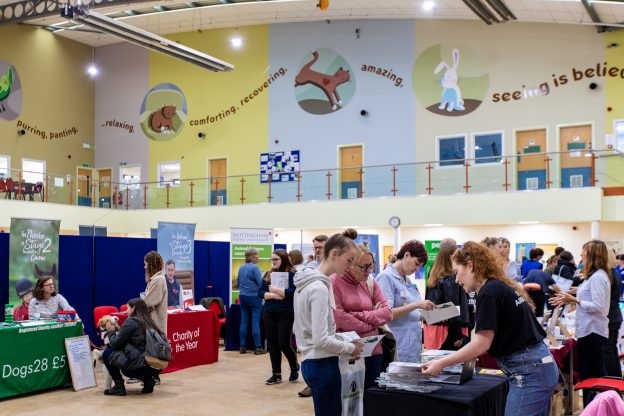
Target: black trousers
{"x":278,"y":327}
{"x":591,"y":360}
{"x":611,"y":356}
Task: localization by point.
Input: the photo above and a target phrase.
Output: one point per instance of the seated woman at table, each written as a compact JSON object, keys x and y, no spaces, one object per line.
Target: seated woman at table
{"x":359,"y":309}
{"x":405,"y":300}
{"x":130,"y":339}
{"x":592,"y":308}
{"x":279,"y":316}
{"x":507,"y":329}
{"x":46,"y":303}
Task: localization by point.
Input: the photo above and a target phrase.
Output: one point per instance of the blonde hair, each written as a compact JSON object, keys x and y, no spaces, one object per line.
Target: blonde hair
{"x":442,"y":265}
{"x":486,"y":265}
{"x":596,"y":258}
{"x":612,"y":262}
{"x":249,"y":253}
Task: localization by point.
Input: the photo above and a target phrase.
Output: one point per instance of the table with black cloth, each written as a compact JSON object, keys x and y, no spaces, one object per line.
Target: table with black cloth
{"x":232,"y":336}
{"x":194,"y":338}
{"x":483,"y":395}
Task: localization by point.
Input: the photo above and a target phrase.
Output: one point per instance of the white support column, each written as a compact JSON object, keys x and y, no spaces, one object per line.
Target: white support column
{"x":397,"y":239}
{"x":595,"y":230}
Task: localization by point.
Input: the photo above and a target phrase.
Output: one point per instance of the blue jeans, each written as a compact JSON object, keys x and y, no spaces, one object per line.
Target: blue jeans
{"x":531,"y":381}
{"x":373,"y":369}
{"x":323,"y":377}
{"x":251,"y":308}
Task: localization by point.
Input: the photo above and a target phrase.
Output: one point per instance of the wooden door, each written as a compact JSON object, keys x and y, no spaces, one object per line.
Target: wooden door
{"x":531,"y":169}
{"x":105,"y":188}
{"x":218,"y":181}
{"x":350,"y":178}
{"x":575,"y":141}
{"x":84,"y":186}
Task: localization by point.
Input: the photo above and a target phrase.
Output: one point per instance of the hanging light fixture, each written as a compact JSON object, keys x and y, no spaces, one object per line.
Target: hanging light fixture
{"x":92,"y":69}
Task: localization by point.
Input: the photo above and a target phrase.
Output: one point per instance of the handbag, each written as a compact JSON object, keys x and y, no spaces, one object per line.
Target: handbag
{"x":388,"y":342}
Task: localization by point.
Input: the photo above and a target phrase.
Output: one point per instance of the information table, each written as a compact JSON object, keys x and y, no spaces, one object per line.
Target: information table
{"x":33,"y":358}
{"x":483,"y":395}
{"x":194,"y":338}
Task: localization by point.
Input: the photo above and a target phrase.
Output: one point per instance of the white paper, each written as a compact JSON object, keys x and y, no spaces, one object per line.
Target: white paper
{"x":440,"y":313}
{"x":197,"y":308}
{"x":279,"y":280}
{"x":369,"y":343}
{"x":80,"y":362}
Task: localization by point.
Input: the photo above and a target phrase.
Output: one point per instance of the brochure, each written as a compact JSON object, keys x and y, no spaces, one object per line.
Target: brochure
{"x":440,"y":313}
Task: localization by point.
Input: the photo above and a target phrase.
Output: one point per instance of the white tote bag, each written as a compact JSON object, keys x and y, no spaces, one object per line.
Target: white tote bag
{"x":352,"y":373}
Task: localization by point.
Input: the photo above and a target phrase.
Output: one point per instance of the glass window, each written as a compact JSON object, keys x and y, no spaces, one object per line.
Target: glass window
{"x":33,"y":171}
{"x":5,"y":166}
{"x":619,"y":135}
{"x":451,"y":150}
{"x":169,"y":173}
{"x":130,"y":176}
{"x":488,"y":147}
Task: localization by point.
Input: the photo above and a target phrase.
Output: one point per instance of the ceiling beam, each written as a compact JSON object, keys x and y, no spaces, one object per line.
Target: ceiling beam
{"x":593,"y":15}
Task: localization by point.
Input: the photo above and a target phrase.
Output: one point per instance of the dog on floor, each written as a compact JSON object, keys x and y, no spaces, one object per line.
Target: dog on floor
{"x":96,"y":354}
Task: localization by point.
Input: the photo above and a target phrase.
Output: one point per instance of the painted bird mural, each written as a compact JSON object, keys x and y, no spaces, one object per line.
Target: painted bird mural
{"x":5,"y":87}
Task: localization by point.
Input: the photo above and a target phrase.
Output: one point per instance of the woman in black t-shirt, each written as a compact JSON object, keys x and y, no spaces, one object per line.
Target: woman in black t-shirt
{"x":506,"y":328}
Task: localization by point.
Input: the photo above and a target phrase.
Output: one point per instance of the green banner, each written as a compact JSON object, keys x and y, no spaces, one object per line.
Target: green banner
{"x":33,"y":357}
{"x":432,"y":247}
{"x":240,"y":240}
{"x":34,"y":248}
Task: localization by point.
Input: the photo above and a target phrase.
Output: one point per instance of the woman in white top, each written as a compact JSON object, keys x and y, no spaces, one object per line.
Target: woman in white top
{"x":592,"y":307}
{"x":46,"y":302}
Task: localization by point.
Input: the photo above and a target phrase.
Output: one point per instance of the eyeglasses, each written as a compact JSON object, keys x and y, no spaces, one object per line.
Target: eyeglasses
{"x":365,"y":267}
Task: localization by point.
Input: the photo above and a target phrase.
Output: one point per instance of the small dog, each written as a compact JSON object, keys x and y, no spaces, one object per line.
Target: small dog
{"x":96,"y":354}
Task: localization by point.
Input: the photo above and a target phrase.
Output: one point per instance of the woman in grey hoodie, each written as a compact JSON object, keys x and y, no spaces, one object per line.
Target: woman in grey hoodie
{"x":315,"y":328}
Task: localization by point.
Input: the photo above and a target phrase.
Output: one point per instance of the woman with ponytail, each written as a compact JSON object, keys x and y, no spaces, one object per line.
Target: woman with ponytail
{"x":506,"y":328}
{"x":315,"y":329}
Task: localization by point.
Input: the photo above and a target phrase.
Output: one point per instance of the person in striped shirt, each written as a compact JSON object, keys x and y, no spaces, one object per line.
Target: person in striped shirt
{"x":46,"y":302}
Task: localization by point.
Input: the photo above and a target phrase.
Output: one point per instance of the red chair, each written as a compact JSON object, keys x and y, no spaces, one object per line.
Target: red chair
{"x":601,"y":384}
{"x":100,"y":311}
{"x":123,"y":307}
{"x":3,"y":187}
{"x":10,"y":188}
{"x":237,"y":301}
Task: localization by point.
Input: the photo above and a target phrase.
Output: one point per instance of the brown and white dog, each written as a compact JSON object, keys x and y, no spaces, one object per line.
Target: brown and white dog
{"x":96,"y":354}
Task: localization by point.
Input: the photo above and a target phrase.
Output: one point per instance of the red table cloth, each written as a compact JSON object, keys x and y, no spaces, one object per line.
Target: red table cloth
{"x":194,"y":338}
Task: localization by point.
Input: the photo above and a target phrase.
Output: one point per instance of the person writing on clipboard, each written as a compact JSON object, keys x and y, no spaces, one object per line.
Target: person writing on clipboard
{"x":506,"y":328}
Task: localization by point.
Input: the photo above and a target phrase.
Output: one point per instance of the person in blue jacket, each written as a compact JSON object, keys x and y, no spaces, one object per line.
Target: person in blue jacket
{"x":249,"y":281}
{"x":535,"y":255}
{"x":279,"y":316}
{"x":405,"y":300}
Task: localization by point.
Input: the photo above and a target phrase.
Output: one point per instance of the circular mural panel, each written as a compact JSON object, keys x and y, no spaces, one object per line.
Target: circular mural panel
{"x":325,"y":83}
{"x":450,"y":80}
{"x":10,"y":92}
{"x":163,"y":112}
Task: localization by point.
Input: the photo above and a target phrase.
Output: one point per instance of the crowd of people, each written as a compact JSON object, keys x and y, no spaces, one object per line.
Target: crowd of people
{"x":499,"y":299}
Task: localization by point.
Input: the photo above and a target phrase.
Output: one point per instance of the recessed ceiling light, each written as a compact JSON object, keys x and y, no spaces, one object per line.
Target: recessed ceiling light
{"x":433,"y":225}
{"x":92,"y":70}
{"x":528,"y":222}
{"x":428,"y":5}
{"x":236,"y":41}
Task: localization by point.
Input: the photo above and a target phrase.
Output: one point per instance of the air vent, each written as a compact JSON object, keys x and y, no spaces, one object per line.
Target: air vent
{"x":532,"y":183}
{"x":576,"y":181}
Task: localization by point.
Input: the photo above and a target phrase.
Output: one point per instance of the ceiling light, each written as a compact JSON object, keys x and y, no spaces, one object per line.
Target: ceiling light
{"x":428,"y":5}
{"x":149,"y":40}
{"x":528,"y":222}
{"x":92,"y":70}
{"x":433,"y":225}
{"x":236,"y":41}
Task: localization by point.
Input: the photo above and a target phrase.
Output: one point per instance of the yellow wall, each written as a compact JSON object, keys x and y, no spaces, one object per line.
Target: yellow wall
{"x":614,"y":92}
{"x":242,"y":136}
{"x":57,"y":95}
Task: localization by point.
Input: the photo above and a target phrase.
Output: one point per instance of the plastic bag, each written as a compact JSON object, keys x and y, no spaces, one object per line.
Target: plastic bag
{"x":352,"y":373}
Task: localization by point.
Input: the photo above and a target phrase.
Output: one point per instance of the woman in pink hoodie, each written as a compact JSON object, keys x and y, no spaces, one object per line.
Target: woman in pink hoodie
{"x":359,"y":310}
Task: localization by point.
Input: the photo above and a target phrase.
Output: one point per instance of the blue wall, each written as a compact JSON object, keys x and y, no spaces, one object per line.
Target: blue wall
{"x":523,"y":175}
{"x":567,"y":172}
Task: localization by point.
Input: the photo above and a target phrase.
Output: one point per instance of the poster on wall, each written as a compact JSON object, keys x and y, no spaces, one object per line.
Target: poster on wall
{"x":279,"y":166}
{"x":34,"y":249}
{"x":176,"y":241}
{"x":240,"y":240}
{"x":522,"y":251}
{"x":307,"y":251}
{"x":371,"y":241}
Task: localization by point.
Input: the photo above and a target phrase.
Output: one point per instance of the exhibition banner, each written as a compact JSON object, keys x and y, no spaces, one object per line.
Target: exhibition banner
{"x":240,"y":240}
{"x":432,"y":247}
{"x":33,"y":252}
{"x":176,"y":241}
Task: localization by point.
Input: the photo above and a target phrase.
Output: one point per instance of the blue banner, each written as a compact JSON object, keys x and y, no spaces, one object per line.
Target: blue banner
{"x":176,"y":241}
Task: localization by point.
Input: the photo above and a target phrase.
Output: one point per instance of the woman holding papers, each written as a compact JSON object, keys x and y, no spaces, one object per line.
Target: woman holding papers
{"x":404,"y":299}
{"x":507,"y":329}
{"x":277,"y":290}
{"x":315,"y":328}
{"x":450,"y":334}
{"x":592,"y":308}
{"x":360,"y":309}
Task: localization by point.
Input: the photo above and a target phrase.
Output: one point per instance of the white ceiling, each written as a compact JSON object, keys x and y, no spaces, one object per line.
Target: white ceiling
{"x":254,"y":13}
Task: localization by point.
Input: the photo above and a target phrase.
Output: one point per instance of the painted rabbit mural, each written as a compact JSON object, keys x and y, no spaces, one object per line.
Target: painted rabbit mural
{"x":451,"y":94}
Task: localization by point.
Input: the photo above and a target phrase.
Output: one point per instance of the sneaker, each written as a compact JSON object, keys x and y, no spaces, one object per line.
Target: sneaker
{"x":259,"y":351}
{"x":294,"y":376}
{"x":148,"y":386}
{"x":243,"y":350}
{"x":157,"y":380}
{"x":307,"y":392}
{"x":133,"y":381}
{"x":274,"y":379}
